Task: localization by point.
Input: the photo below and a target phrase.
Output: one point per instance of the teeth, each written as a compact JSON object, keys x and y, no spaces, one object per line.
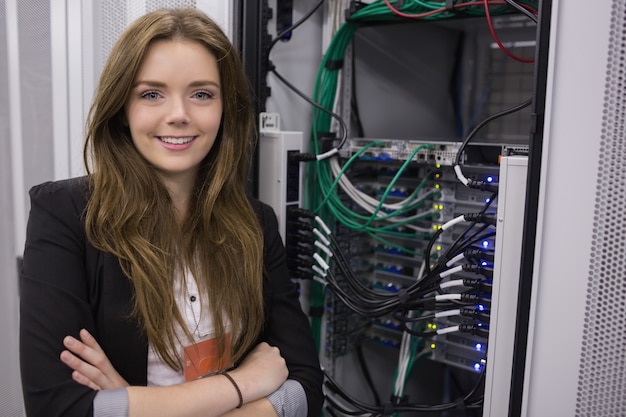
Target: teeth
{"x":176,"y":141}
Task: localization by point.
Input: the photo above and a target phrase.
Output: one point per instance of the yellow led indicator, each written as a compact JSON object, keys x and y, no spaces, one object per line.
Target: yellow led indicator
{"x":430,"y":325}
{"x":438,"y":166}
{"x":432,"y":345}
{"x":438,"y":247}
{"x":434,"y":326}
{"x":435,"y":227}
{"x":440,"y":206}
{"x":437,"y":186}
{"x":438,"y":227}
{"x":437,"y":176}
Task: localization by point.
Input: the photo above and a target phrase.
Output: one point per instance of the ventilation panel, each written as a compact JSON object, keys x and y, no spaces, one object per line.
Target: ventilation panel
{"x":602,"y":375}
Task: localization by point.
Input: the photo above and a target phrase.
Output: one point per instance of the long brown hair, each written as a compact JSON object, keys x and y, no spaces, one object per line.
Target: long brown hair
{"x":130,"y":213}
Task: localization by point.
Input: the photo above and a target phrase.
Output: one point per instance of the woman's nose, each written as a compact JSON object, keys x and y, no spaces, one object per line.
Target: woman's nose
{"x":178,"y":112}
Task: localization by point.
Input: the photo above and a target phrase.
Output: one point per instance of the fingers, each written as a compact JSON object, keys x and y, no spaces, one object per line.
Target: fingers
{"x":93,"y":367}
{"x":84,"y":373}
{"x":88,"y":349}
{"x":83,"y":380}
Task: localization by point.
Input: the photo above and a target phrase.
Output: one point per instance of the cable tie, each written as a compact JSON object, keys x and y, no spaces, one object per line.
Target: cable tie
{"x":403,"y":296}
{"x":460,"y":404}
{"x":334,"y":64}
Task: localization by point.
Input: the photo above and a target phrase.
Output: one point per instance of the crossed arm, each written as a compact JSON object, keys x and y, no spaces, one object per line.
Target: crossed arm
{"x":260,"y":374}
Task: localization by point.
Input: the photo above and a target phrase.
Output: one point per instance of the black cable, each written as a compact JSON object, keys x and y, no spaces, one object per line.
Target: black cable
{"x":366,"y":372}
{"x":292,"y":27}
{"x":457,"y":160}
{"x":388,"y":409}
{"x":433,"y":239}
{"x":344,"y":128}
{"x":522,"y":9}
{"x":354,"y":105}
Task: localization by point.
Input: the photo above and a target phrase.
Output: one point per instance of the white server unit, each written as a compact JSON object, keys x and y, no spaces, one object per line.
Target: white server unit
{"x":506,"y":268}
{"x":280,"y":176}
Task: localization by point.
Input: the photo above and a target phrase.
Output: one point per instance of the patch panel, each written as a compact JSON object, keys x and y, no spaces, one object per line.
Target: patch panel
{"x":401,"y":150}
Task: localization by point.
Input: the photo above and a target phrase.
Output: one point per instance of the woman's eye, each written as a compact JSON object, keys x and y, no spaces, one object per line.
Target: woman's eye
{"x":150,"y":95}
{"x":202,"y":95}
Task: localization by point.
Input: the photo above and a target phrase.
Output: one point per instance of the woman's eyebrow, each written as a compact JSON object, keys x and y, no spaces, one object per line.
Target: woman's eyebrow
{"x":159,"y":84}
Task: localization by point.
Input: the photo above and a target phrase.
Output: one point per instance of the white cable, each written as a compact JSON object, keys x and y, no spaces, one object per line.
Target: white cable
{"x":451,"y":271}
{"x":321,"y":237}
{"x":452,"y":222}
{"x":321,"y":262}
{"x":460,"y":176}
{"x":453,"y":283}
{"x":447,"y":297}
{"x":324,"y":248}
{"x":327,"y":154}
{"x":446,"y":330}
{"x":456,"y":259}
{"x":365,"y":201}
{"x":448,"y":313}
{"x":323,"y":225}
{"x":319,"y":271}
{"x":319,"y":280}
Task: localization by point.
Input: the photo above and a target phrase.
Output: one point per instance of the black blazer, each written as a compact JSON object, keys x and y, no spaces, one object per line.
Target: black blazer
{"x":66,"y":284}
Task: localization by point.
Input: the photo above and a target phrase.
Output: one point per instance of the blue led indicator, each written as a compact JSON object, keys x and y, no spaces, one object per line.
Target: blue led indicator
{"x":485,"y":243}
{"x":477,"y":366}
{"x":483,"y":263}
{"x":487,"y":200}
{"x":481,"y":307}
{"x":478,"y":346}
{"x":489,"y":179}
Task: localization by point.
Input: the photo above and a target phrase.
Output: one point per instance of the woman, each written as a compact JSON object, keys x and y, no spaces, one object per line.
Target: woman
{"x":154,"y":286}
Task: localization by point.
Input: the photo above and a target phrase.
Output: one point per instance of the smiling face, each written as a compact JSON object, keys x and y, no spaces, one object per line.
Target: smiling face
{"x":174,"y":109}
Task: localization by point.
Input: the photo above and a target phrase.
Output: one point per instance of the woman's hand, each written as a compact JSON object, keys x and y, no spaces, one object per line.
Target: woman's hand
{"x":91,"y":366}
{"x":261,"y":372}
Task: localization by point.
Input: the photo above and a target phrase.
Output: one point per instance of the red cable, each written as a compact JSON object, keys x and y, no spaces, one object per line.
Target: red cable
{"x":495,"y":37}
{"x":486,"y":4}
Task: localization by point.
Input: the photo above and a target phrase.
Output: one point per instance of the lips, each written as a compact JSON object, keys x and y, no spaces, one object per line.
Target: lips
{"x":176,"y":140}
